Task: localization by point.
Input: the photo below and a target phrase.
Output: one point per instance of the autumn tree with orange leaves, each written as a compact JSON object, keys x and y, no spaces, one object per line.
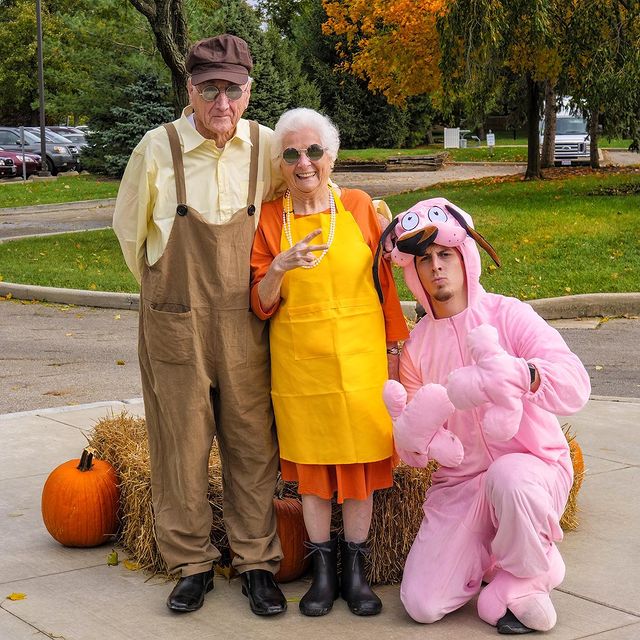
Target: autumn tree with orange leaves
{"x":392,"y":44}
{"x":464,"y":47}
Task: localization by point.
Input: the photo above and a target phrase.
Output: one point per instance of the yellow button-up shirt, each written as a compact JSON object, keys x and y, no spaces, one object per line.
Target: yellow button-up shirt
{"x":217,"y":184}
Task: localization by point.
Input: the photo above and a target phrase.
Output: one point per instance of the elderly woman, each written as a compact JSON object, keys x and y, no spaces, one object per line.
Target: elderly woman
{"x":333,"y":345}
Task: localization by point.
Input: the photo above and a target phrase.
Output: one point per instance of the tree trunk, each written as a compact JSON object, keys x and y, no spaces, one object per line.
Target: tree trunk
{"x":533,"y":116}
{"x":594,"y":160}
{"x":549,"y":139}
{"x":169,"y":26}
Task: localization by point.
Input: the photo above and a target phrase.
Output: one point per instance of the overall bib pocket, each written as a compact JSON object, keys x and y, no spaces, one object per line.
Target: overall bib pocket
{"x":168,"y":331}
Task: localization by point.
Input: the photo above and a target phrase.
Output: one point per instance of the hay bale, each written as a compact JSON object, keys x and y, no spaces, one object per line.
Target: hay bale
{"x":397,"y":512}
{"x":569,"y":519}
{"x":122,"y":441}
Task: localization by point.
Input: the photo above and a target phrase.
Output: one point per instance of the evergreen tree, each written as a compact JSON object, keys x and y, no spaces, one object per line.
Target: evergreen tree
{"x":116,"y":132}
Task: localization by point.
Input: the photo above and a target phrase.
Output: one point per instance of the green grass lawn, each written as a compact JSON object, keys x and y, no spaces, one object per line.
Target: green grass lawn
{"x":79,"y":188}
{"x":470,"y":154}
{"x":63,"y":189}
{"x":555,"y":237}
{"x":86,"y":260}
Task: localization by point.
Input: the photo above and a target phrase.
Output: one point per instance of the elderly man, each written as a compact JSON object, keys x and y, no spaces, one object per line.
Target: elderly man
{"x":185,"y":217}
{"x":484,"y":375}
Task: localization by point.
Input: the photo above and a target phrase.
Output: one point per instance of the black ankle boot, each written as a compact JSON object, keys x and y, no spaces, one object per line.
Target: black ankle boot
{"x":355,"y":588}
{"x":318,"y":600}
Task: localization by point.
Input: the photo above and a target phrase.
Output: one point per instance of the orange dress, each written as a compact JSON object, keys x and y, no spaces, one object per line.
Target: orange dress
{"x":354,"y":479}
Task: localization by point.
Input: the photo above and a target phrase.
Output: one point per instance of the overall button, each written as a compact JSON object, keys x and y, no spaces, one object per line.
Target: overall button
{"x":251,"y":209}
{"x":181,"y":210}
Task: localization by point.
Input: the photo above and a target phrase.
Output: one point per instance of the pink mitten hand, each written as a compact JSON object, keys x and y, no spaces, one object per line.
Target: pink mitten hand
{"x":446,"y":448}
{"x":497,"y":378}
{"x":421,"y":422}
{"x":395,"y":397}
{"x":412,"y":458}
{"x":465,"y":387}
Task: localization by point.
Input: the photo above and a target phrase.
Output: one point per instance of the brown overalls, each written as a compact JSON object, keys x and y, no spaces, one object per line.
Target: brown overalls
{"x":204,"y":361}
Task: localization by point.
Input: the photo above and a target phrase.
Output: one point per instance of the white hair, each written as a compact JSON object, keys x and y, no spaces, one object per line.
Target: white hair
{"x":302,"y":118}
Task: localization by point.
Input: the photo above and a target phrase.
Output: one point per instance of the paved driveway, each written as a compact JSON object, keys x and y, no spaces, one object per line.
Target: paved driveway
{"x":77,"y":216}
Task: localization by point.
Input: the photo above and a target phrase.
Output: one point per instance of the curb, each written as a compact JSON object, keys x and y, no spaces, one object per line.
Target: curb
{"x":60,"y":206}
{"x":136,"y":401}
{"x":50,"y":233}
{"x":586,"y":305}
{"x":79,"y":297}
{"x":71,"y":407}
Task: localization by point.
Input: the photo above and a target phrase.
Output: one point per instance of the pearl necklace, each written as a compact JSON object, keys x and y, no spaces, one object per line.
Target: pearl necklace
{"x":287,"y":215}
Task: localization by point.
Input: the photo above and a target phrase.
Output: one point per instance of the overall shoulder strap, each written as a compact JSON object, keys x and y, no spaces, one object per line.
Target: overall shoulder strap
{"x":178,"y":165}
{"x":254,"y":133}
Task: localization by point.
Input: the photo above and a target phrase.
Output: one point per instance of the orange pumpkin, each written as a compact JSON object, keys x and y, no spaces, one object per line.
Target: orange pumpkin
{"x":292,"y":534}
{"x":80,"y":502}
{"x":577,"y":461}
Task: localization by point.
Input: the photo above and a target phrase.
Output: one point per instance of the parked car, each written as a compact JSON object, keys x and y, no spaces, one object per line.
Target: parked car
{"x":7,"y":168}
{"x":32,"y":161}
{"x":71,"y":133}
{"x":52,"y":136}
{"x":61,"y":156}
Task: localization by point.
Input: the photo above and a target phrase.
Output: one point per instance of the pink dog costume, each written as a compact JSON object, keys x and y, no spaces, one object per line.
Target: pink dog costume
{"x":493,"y":510}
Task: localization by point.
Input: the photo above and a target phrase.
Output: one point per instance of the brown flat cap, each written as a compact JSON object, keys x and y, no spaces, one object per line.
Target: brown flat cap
{"x":223,"y":57}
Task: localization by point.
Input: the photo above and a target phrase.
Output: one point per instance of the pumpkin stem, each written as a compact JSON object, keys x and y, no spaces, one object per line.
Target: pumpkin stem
{"x":86,"y":460}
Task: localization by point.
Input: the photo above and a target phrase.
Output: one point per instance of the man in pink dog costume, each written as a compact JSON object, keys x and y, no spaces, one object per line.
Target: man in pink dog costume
{"x":483,"y":375}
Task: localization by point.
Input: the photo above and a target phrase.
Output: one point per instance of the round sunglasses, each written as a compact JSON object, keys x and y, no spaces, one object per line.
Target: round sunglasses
{"x":314,"y":152}
{"x":233,"y":92}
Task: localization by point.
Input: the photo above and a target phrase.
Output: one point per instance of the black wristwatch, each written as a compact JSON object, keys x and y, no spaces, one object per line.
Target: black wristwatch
{"x":532,"y":373}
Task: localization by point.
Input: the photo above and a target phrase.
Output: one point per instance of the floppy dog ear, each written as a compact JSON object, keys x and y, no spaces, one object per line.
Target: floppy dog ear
{"x":474,"y":234}
{"x":378,"y":257}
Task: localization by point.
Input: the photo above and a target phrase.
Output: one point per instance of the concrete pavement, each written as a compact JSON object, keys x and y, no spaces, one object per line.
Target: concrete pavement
{"x":73,"y":593}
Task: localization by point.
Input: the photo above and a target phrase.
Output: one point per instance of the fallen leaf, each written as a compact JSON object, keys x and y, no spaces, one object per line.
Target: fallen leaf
{"x":93,"y":286}
{"x":132,"y":566}
{"x":16,"y":596}
{"x":599,"y":367}
{"x":116,"y":317}
{"x":68,"y":334}
{"x":227,"y":571}
{"x":112,"y":559}
{"x":120,"y":362}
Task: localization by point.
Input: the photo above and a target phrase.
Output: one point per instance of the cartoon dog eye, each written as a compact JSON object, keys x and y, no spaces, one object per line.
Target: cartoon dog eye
{"x":410,"y":221}
{"x":436,"y":214}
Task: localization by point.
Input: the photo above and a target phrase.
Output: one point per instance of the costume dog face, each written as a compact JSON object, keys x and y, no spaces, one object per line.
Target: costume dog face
{"x":431,"y":221}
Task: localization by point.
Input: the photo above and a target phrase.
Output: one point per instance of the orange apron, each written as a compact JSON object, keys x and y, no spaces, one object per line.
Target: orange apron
{"x":328,"y":352}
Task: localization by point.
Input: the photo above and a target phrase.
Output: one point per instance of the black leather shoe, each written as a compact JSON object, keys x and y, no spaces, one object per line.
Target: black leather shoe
{"x":510,"y":625}
{"x":188,"y":594}
{"x":265,"y":597}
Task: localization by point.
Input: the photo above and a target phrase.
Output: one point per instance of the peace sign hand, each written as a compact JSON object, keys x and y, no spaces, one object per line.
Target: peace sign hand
{"x":300,"y":255}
